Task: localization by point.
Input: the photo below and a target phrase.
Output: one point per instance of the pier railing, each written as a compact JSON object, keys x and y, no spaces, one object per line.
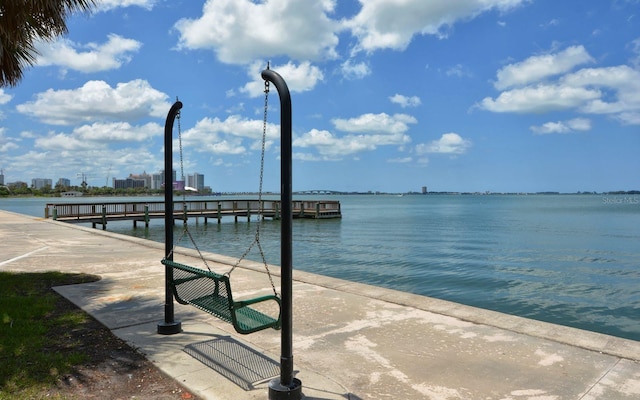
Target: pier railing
{"x":144,"y":211}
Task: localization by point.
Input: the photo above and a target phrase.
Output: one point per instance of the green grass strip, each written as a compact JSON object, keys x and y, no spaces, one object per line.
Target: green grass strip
{"x":35,"y":345}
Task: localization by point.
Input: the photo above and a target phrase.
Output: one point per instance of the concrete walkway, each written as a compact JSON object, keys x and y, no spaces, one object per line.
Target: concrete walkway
{"x":351,"y":341}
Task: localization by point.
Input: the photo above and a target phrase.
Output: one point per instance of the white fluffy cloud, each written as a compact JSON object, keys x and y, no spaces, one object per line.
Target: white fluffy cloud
{"x":613,"y":91}
{"x":234,"y":135}
{"x":91,"y":57}
{"x":352,"y":70}
{"x":405,"y":101}
{"x":449,"y":143}
{"x":621,"y":84}
{"x":331,"y":146}
{"x":375,"y":123}
{"x":98,"y":136}
{"x":4,"y":98}
{"x":537,"y":68}
{"x":6,"y":144}
{"x":240,"y":31}
{"x":540,"y":98}
{"x":97,"y":101}
{"x":572,"y":125}
{"x":384,"y":24}
{"x":61,"y":141}
{"x":365,"y":133}
{"x":118,"y":132}
{"x":106,"y":5}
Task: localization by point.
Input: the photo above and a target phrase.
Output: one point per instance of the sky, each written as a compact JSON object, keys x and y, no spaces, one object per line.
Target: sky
{"x":387,"y":95}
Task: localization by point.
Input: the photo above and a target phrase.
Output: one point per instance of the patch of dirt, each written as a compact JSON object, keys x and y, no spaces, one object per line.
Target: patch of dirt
{"x":114,"y":369}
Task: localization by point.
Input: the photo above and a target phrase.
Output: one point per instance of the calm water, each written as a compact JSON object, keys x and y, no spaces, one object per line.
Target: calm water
{"x":571,"y":259}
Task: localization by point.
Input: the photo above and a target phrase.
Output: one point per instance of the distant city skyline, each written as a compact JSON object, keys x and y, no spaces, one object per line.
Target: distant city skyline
{"x":152,"y":181}
{"x":196,"y":181}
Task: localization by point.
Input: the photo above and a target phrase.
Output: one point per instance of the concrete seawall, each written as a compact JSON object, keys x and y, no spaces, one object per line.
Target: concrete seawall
{"x":351,"y":341}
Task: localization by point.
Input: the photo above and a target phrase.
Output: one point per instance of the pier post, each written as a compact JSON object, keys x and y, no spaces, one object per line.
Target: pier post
{"x":55,"y":213}
{"x":287,"y":386}
{"x":219,"y":212}
{"x":146,"y":215}
{"x":104,"y":217}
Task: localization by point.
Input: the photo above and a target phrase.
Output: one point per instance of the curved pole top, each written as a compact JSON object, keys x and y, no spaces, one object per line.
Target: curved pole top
{"x":283,"y":90}
{"x":171,"y":116}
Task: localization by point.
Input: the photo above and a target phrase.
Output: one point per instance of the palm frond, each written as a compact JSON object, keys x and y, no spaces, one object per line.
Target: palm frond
{"x":23,"y":22}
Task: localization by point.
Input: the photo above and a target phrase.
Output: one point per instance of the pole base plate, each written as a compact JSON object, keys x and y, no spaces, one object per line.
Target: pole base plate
{"x":169,"y":328}
{"x":279,"y":392}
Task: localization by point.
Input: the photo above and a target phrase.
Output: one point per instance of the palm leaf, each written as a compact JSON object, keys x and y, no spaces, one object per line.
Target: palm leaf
{"x":23,"y":22}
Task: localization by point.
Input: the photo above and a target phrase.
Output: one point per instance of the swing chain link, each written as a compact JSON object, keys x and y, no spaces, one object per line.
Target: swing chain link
{"x":185,"y":229}
{"x":264,"y":139}
{"x":260,"y":203}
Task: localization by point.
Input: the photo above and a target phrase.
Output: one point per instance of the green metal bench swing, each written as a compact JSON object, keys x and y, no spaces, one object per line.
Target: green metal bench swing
{"x":211,"y":292}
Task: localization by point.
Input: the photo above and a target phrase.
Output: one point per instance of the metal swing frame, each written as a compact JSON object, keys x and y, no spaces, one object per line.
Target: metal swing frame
{"x":286,"y":386}
{"x":210,"y":291}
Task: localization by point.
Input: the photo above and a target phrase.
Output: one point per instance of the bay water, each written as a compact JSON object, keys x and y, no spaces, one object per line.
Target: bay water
{"x":568,"y":259}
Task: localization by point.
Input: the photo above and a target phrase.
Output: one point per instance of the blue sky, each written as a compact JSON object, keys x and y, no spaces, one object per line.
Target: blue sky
{"x":388,"y":95}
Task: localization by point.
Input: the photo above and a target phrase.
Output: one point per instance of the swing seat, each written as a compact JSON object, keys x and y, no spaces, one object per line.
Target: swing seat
{"x":211,"y":292}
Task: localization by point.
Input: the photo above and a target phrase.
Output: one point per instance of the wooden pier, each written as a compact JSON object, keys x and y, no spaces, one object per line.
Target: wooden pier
{"x":145,"y":211}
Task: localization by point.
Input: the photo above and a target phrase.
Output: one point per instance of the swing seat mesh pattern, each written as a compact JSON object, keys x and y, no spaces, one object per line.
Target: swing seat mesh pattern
{"x":211,"y":292}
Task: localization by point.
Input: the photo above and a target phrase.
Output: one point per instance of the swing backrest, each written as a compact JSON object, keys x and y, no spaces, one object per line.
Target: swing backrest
{"x":190,"y":284}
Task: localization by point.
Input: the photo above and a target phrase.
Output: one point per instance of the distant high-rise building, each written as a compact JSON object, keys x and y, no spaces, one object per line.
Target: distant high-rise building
{"x":156,"y":181}
{"x":424,"y":190}
{"x":191,"y":181}
{"x":64,"y":182}
{"x":128,"y":183}
{"x":143,"y":177}
{"x":1,"y":177}
{"x":40,"y":183}
{"x":196,"y":181}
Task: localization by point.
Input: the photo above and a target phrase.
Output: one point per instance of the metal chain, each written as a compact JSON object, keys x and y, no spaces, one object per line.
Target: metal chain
{"x":185,"y":226}
{"x":264,"y":139}
{"x":256,"y":239}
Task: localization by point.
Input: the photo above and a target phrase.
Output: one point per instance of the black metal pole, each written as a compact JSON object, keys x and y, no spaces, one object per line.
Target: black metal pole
{"x":287,"y":387}
{"x":169,"y":326}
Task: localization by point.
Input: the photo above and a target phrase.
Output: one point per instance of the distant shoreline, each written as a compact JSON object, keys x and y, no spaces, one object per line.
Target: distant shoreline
{"x":341,"y":193}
